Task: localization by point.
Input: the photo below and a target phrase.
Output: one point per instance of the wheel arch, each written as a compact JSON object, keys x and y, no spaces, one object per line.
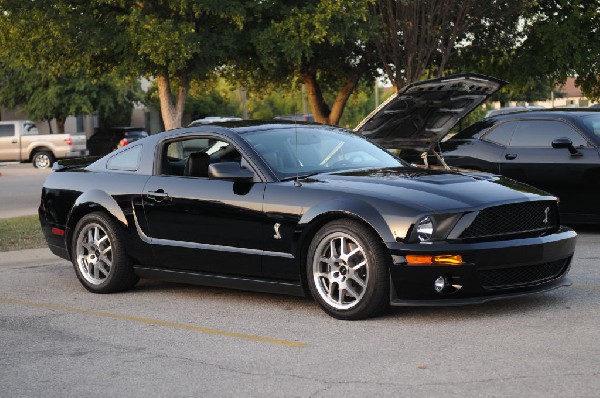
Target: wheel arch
{"x":89,"y":202}
{"x":40,"y":149}
{"x":316,"y":217}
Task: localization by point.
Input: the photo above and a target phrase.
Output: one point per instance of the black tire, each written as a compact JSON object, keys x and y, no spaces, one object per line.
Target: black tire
{"x":99,"y":257}
{"x":338,"y":282}
{"x":42,"y":159}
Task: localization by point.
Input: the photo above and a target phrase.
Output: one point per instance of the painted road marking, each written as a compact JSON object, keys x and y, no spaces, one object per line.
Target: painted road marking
{"x":150,"y":321}
{"x":588,"y":287}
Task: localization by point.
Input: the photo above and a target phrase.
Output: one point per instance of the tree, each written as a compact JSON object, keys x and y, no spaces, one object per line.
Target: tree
{"x":418,"y":37}
{"x":322,"y":44}
{"x":47,"y":97}
{"x":173,"y":42}
{"x":562,"y":41}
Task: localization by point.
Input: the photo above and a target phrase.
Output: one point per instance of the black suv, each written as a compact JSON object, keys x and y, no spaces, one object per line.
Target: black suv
{"x":108,"y":139}
{"x":555,"y":150}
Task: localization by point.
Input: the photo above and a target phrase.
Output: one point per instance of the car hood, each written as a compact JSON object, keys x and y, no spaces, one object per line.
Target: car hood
{"x":418,"y":116}
{"x":426,"y":189}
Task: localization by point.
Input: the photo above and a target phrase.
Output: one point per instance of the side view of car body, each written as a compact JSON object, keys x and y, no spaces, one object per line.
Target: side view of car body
{"x":308,"y":210}
{"x":21,"y":141}
{"x":555,"y":150}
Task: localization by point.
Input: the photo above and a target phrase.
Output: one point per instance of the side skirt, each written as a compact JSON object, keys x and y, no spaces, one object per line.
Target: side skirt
{"x":226,"y":281}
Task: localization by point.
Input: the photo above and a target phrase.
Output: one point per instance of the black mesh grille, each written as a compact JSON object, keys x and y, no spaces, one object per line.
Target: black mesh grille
{"x":513,"y":219}
{"x":521,"y":276}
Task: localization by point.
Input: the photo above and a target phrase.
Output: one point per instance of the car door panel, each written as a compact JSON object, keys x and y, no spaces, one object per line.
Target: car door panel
{"x":206,"y":225}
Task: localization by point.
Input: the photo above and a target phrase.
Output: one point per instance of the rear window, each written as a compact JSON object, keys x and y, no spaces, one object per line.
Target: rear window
{"x":136,"y":134}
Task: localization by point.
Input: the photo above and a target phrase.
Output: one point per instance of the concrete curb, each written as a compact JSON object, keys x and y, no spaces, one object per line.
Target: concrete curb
{"x":30,"y":256}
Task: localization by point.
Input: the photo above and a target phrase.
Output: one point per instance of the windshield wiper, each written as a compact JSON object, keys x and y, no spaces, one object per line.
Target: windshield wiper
{"x":301,"y":176}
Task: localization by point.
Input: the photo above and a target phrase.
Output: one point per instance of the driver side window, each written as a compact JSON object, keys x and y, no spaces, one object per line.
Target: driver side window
{"x":191,"y":157}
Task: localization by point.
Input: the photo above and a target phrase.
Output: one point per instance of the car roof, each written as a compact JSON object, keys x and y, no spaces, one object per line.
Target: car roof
{"x":555,"y":112}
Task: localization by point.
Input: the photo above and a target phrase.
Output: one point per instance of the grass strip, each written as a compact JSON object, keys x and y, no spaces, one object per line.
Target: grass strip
{"x":21,"y":233}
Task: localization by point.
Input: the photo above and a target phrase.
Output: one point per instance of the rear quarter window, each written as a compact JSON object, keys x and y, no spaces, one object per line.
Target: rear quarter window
{"x":128,"y":160}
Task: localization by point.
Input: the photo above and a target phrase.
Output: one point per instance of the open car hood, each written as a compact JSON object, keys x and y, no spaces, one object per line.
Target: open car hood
{"x":418,"y":116}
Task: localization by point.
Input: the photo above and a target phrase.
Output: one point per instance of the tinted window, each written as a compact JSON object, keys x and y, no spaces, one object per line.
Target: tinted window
{"x":191,"y":157}
{"x":136,"y":134}
{"x":501,"y":134}
{"x":593,"y":124}
{"x":472,"y":130}
{"x":128,"y":160}
{"x":7,"y":130}
{"x":541,"y":133}
{"x":297,"y":150}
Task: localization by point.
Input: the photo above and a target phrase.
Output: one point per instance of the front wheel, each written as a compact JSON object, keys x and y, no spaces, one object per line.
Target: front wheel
{"x":42,"y":159}
{"x":99,"y":257}
{"x":347,"y":271}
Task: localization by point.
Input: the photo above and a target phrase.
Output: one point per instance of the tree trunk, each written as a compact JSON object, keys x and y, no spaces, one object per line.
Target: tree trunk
{"x":171,"y":108}
{"x":60,"y":126}
{"x":319,"y":108}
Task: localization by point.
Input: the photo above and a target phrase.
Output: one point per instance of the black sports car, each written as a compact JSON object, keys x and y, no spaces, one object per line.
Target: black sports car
{"x":310,"y":209}
{"x":555,"y":150}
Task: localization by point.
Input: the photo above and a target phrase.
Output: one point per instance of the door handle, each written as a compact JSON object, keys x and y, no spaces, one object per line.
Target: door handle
{"x":14,"y":141}
{"x":158,"y":196}
{"x":510,"y":156}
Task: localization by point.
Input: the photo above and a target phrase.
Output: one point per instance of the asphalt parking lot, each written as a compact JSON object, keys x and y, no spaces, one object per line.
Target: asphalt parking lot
{"x":20,"y":189}
{"x":164,"y":339}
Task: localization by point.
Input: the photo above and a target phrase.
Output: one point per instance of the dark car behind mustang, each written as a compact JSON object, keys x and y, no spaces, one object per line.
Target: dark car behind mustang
{"x":308,"y":209}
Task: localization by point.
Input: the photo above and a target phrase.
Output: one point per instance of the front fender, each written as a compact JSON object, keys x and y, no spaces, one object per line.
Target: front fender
{"x":353,"y":208}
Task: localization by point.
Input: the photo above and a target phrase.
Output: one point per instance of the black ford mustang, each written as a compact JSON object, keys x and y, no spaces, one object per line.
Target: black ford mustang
{"x":310,"y":209}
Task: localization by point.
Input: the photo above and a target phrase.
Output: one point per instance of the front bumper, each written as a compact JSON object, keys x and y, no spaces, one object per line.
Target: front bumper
{"x":491,"y":270}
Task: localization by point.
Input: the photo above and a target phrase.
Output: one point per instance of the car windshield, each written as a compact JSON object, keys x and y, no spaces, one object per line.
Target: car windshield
{"x":592,"y":122}
{"x":297,"y":150}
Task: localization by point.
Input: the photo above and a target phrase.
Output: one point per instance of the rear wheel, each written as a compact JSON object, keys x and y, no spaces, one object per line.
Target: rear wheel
{"x":347,"y":271}
{"x":99,"y":257}
{"x":42,"y":159}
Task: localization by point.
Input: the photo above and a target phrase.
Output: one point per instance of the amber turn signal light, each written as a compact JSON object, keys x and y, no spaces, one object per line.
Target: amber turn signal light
{"x":442,"y":259}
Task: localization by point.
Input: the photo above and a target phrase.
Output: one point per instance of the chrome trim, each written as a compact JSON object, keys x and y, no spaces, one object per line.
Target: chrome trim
{"x":203,"y":246}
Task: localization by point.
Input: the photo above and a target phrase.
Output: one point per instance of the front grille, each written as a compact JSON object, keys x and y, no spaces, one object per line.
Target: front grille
{"x":514,"y":218}
{"x":521,"y":276}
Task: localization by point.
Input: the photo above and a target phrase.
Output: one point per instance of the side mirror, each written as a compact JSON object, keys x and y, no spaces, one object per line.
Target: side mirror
{"x":564,"y":142}
{"x":229,"y":171}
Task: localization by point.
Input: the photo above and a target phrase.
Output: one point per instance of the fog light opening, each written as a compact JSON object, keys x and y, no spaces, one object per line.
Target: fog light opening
{"x":441,"y":284}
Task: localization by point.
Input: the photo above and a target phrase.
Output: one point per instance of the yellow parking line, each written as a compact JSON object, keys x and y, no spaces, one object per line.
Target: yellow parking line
{"x":150,"y":321}
{"x":588,"y":287}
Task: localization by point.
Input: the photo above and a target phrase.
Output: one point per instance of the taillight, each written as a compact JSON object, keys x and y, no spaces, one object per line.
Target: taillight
{"x":123,"y":142}
{"x":69,"y":141}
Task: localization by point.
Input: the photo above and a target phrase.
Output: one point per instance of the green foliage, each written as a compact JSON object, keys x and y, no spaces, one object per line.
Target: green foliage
{"x":21,"y":233}
{"x":46,"y":97}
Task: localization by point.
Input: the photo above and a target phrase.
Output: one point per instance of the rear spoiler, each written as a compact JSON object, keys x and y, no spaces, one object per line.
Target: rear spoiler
{"x":74,"y":163}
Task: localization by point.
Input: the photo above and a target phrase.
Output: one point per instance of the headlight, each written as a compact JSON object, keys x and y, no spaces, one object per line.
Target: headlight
{"x":433,"y":227}
{"x":425,"y":229}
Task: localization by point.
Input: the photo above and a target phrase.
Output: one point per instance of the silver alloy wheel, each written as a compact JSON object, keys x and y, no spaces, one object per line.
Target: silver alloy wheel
{"x":42,"y":160}
{"x":340,"y":270}
{"x":94,"y":253}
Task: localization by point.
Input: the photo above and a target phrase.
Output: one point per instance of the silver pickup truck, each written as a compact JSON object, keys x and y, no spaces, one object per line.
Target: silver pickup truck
{"x":20,"y":141}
